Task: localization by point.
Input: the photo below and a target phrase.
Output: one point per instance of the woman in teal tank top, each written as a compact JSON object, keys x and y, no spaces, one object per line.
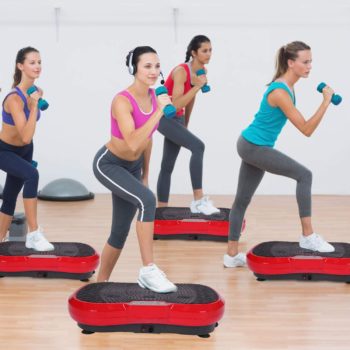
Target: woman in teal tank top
{"x":255,"y":147}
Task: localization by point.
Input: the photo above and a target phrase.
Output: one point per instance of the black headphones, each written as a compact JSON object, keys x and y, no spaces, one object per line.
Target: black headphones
{"x":162,"y":80}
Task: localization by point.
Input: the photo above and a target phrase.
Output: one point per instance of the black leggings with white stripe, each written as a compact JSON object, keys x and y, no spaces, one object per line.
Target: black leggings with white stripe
{"x":123,"y":178}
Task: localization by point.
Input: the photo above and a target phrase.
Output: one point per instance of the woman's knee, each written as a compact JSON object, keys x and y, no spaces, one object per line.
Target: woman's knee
{"x":198,"y":147}
{"x":31,"y":183}
{"x":8,"y":206}
{"x":149,"y":200}
{"x":32,"y":176}
{"x":147,"y":207}
{"x":306,"y":176}
{"x":117,"y":239}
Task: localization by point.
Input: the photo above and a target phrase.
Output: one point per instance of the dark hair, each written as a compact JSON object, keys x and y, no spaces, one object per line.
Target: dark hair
{"x":20,"y":58}
{"x":285,"y":53}
{"x":136,"y":53}
{"x":195,"y":44}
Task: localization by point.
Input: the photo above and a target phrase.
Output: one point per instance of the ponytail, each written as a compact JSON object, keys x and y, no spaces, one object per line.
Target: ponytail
{"x":285,"y":53}
{"x":20,"y":58}
{"x":195,"y":44}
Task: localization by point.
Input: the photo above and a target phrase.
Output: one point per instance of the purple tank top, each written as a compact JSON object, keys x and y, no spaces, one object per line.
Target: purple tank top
{"x":7,"y":117}
{"x":139,"y":116}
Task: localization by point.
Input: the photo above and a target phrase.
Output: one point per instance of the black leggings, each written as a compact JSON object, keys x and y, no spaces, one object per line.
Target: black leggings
{"x":123,"y":178}
{"x":177,"y":136}
{"x":255,"y":161}
{"x":16,"y":162}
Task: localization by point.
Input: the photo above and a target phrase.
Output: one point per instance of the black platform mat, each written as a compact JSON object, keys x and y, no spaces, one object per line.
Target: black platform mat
{"x":70,"y":249}
{"x":182,"y":213}
{"x":110,"y":292}
{"x":291,"y":249}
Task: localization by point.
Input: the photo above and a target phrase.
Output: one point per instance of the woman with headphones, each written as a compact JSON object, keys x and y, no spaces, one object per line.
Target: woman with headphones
{"x":183,"y":85}
{"x":122,"y":166}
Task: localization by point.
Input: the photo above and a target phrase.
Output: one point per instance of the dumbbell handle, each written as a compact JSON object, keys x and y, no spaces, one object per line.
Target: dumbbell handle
{"x":205,"y":88}
{"x":336,"y":99}
{"x":169,"y":110}
{"x":42,"y":104}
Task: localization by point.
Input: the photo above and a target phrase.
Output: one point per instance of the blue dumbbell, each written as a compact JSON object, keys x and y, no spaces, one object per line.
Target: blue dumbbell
{"x":169,"y":110}
{"x":42,"y":104}
{"x":34,"y":163}
{"x":336,"y":99}
{"x":205,"y":88}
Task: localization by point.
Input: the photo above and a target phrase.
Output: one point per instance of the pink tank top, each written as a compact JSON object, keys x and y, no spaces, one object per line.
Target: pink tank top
{"x":140,"y":117}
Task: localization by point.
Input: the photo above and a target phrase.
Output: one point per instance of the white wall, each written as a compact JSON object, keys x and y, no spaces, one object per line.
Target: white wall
{"x":83,"y":56}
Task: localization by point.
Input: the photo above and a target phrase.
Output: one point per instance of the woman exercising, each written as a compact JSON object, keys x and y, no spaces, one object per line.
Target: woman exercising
{"x":256,"y":148}
{"x":122,"y":166}
{"x":183,"y":85}
{"x":20,"y":114}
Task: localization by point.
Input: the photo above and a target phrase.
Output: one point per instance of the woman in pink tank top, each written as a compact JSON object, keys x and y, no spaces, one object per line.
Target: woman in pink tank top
{"x":122,"y":166}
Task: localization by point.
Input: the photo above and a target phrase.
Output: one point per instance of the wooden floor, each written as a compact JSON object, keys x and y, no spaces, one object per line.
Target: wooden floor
{"x":258,"y":315}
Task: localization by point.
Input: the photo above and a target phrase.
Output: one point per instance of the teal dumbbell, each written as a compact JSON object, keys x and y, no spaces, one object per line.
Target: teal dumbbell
{"x":205,"y":88}
{"x":169,"y":110}
{"x":42,"y":104}
{"x":34,"y":163}
{"x":336,"y":99}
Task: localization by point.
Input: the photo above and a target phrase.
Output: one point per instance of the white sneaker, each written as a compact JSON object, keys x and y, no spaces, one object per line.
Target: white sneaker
{"x":204,"y":206}
{"x":316,"y":243}
{"x":235,"y":261}
{"x":153,"y":278}
{"x":37,"y":241}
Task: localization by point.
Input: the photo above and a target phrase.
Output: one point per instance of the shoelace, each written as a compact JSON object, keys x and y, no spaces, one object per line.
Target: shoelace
{"x":160,"y":272}
{"x":206,"y":200}
{"x":39,"y":236}
{"x":320,"y":240}
{"x":156,"y":269}
{"x":241,"y":260}
{"x":317,"y":241}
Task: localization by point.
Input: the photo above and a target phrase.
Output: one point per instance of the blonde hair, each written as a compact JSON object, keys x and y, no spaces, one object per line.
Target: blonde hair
{"x":285,"y":53}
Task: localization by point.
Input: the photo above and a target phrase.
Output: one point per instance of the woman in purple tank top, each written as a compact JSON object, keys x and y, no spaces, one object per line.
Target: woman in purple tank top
{"x":19,"y":117}
{"x":122,"y":166}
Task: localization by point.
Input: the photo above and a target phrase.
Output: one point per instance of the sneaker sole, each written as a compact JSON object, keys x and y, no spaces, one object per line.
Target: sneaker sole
{"x":326,"y":251}
{"x":320,"y":251}
{"x":229,"y":267}
{"x":211,"y":213}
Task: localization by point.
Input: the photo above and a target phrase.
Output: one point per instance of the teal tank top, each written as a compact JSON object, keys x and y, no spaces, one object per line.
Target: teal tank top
{"x":269,"y":121}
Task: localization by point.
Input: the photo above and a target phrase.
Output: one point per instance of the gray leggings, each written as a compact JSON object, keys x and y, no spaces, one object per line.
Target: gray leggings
{"x":177,"y":136}
{"x":255,"y":161}
{"x":123,"y":178}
